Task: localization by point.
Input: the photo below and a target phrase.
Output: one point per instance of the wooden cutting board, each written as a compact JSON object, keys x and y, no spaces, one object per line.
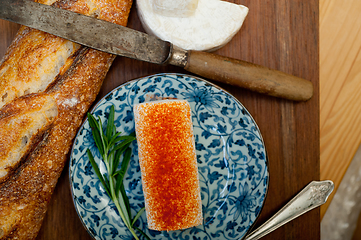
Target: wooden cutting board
{"x":279,"y":34}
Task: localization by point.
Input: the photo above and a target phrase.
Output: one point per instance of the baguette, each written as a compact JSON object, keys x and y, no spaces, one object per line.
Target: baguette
{"x":48,"y":78}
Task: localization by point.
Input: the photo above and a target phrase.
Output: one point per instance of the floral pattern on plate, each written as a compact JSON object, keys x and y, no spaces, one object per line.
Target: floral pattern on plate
{"x":231,"y":156}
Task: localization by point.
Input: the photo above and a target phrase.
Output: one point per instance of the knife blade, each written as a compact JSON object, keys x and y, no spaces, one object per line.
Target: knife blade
{"x":123,"y":41}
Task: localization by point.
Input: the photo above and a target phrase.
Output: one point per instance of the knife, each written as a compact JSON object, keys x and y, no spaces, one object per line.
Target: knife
{"x":123,"y":41}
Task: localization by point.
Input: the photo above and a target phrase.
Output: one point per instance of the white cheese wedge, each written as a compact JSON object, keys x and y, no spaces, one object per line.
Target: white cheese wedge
{"x":212,"y":25}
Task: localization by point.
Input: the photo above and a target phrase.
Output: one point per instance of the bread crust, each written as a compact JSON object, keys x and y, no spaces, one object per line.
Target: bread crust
{"x":25,"y":195}
{"x":22,"y":123}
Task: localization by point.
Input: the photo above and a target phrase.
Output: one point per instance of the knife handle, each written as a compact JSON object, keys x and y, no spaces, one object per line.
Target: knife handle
{"x":247,"y":75}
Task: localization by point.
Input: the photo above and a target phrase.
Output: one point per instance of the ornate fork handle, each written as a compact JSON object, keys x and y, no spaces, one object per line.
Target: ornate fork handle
{"x":313,"y":195}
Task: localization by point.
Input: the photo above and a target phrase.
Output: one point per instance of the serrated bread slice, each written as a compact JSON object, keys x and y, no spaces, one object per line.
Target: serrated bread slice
{"x":21,"y":123}
{"x":31,"y":68}
{"x":168,"y":164}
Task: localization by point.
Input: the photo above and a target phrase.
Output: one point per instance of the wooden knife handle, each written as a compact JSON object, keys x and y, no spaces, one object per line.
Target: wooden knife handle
{"x":250,"y":76}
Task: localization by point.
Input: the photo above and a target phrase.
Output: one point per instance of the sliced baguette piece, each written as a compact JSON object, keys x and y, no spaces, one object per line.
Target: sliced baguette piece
{"x":168,"y":164}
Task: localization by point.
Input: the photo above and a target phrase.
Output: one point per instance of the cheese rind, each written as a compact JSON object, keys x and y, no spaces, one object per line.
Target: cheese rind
{"x":213,"y":24}
{"x":171,"y":8}
{"x":168,"y":164}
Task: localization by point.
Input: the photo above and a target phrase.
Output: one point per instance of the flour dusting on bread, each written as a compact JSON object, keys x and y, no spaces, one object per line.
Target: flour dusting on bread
{"x":24,"y":120}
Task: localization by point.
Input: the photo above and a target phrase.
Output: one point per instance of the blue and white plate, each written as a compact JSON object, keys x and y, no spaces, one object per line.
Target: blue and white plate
{"x":232,"y":161}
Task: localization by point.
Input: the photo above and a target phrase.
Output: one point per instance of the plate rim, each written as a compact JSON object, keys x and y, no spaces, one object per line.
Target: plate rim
{"x":92,"y":109}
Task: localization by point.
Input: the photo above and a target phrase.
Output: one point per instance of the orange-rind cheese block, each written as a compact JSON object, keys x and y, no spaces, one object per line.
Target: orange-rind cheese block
{"x":168,"y":164}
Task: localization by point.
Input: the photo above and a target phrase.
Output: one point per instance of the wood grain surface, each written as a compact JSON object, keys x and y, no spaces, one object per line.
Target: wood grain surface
{"x":340,"y":87}
{"x":280,"y":34}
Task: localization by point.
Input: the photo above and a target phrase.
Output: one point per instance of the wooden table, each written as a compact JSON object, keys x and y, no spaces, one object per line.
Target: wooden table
{"x":340,"y":87}
{"x":279,"y":34}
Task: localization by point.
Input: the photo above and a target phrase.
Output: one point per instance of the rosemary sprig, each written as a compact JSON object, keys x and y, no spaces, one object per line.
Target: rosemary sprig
{"x":111,"y":147}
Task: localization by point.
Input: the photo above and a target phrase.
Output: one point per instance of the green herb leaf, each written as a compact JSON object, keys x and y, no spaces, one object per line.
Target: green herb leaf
{"x":121,"y":145}
{"x":123,"y":169}
{"x":106,"y":181}
{"x":140,"y":212}
{"x":110,"y":124}
{"x":111,"y":147}
{"x":123,"y":205}
{"x":117,"y":156}
{"x":143,"y":233}
{"x":126,"y":201}
{"x":96,"y":134}
{"x":121,"y":138}
{"x":114,"y":138}
{"x":103,"y":138}
{"x":96,"y":170}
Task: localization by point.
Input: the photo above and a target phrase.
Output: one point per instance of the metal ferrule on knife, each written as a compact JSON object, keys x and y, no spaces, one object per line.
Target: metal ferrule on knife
{"x":178,"y":57}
